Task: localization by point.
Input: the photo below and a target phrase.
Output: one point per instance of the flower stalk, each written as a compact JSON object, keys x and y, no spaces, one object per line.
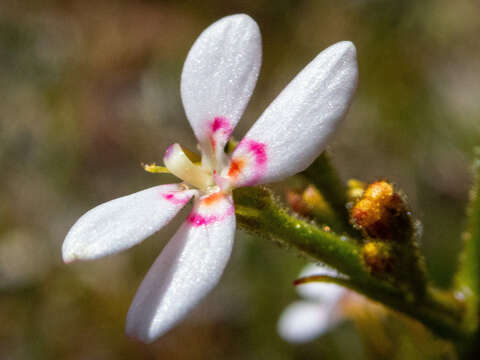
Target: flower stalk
{"x":261,"y":214}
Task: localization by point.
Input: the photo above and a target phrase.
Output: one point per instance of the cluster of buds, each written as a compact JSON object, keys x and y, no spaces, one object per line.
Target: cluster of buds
{"x":381,"y":212}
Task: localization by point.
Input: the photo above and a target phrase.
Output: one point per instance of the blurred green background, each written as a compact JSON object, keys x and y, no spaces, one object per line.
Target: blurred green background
{"x":90,"y":89}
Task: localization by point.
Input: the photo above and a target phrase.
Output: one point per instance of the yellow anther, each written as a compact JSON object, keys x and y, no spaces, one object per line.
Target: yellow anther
{"x":231,"y":145}
{"x":155,"y":169}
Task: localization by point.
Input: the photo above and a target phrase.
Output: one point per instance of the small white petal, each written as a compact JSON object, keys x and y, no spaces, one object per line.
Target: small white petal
{"x":316,"y":269}
{"x":121,"y":223}
{"x":219,"y":76}
{"x":304,"y":321}
{"x":189,"y":266}
{"x":325,"y":293}
{"x":296,"y":127}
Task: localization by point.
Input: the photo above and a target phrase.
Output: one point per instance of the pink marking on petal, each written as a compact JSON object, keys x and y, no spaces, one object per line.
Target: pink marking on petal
{"x":220,"y":123}
{"x":168,"y":152}
{"x":236,"y":166}
{"x":196,"y":219}
{"x":257,"y":151}
{"x":213,"y":142}
{"x":220,"y":131}
{"x":176,"y":198}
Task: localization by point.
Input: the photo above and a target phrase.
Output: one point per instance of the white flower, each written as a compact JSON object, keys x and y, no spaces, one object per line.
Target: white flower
{"x":218,"y":79}
{"x":325,"y":305}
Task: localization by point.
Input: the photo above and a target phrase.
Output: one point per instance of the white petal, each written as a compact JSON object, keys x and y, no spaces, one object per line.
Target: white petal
{"x":121,"y":223}
{"x":189,"y":267}
{"x":296,"y":127}
{"x":304,"y":321}
{"x":219,"y":76}
{"x":325,"y":293}
{"x":317,"y":269}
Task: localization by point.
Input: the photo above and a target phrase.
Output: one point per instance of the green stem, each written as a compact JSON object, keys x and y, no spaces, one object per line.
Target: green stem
{"x":324,"y":176}
{"x":259,"y":213}
{"x":468,"y":278}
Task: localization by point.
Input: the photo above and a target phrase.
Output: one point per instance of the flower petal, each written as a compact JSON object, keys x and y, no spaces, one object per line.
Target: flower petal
{"x":219,"y":76}
{"x":121,"y":223}
{"x":189,"y":267}
{"x":326,"y":293}
{"x":304,"y":321}
{"x":295,"y":128}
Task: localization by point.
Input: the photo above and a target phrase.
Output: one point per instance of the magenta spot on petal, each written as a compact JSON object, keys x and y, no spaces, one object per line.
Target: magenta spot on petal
{"x":220,"y":131}
{"x":175,"y":198}
{"x":258,"y":149}
{"x":199,"y":220}
{"x":258,"y":152}
{"x":196,"y":219}
{"x":220,"y":123}
{"x":168,"y":152}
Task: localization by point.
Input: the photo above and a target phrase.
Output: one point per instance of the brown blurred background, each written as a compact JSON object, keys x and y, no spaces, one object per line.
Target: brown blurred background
{"x":90,"y":89}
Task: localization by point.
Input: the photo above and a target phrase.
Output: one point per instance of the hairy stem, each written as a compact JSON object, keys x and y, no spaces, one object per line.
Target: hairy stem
{"x":259,"y":213}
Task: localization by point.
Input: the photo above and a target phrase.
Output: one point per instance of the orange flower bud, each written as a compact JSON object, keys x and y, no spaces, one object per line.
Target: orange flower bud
{"x":294,"y":199}
{"x":380,"y":192}
{"x":366,"y":213}
{"x":307,"y":202}
{"x":312,"y":197}
{"x":380,"y":211}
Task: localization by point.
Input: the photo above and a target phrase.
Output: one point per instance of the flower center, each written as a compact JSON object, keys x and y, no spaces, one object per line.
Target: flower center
{"x":179,"y":162}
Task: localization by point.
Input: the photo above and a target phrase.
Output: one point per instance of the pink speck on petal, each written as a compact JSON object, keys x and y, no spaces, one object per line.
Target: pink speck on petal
{"x":196,"y":219}
{"x":220,"y":123}
{"x":176,"y":198}
{"x":220,"y":131}
{"x":259,"y":150}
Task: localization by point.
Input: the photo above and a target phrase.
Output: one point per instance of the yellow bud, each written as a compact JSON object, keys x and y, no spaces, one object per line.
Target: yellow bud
{"x":370,"y":250}
{"x":380,"y":211}
{"x":376,"y":256}
{"x":294,"y":199}
{"x":355,"y":189}
{"x":314,"y":200}
{"x":379,"y":191}
{"x":307,"y":202}
{"x":366,"y":213}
